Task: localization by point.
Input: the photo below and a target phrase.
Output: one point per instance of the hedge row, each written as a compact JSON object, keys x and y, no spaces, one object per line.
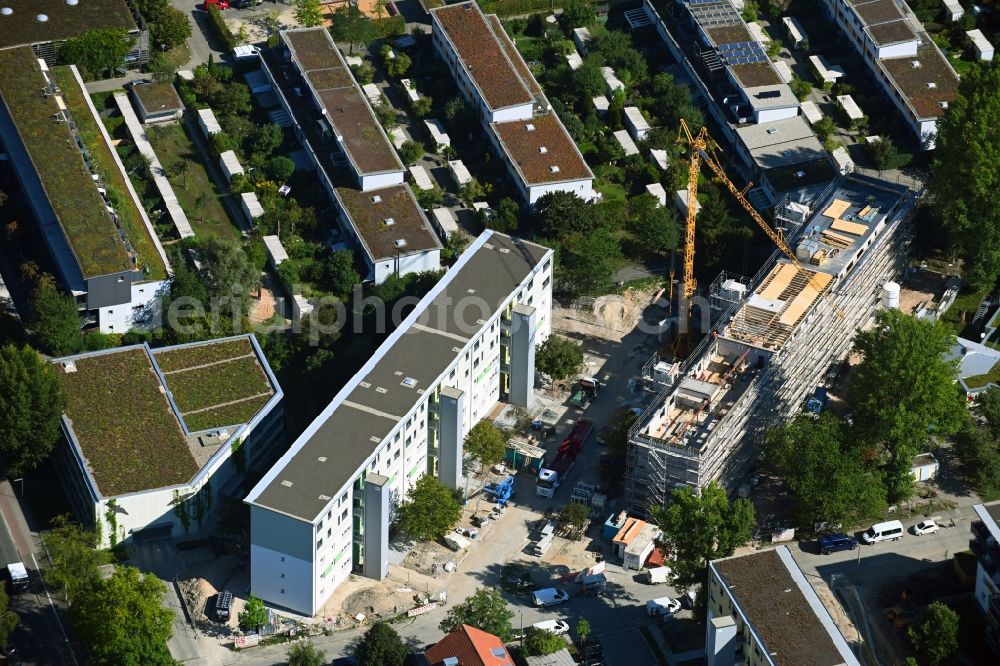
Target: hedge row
{"x":505,"y":8}
{"x":219,"y":27}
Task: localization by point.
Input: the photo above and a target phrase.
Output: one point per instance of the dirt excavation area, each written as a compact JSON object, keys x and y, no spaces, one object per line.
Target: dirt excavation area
{"x":609,"y":317}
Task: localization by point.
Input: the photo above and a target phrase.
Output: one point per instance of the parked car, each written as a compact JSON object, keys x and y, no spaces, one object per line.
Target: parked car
{"x":549,"y":596}
{"x":831,"y":543}
{"x":219,"y":4}
{"x":926,"y":527}
{"x":662,"y":606}
{"x":888,"y":531}
{"x":557,"y":627}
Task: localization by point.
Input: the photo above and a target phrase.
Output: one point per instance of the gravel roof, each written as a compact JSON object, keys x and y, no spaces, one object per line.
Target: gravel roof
{"x":525,"y":145}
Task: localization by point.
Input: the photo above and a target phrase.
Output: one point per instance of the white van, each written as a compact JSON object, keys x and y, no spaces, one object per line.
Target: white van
{"x":658,"y":575}
{"x":549,"y":596}
{"x":888,"y":531}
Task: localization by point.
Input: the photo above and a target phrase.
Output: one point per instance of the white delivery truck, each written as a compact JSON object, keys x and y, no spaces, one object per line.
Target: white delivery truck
{"x":658,"y":575}
{"x":18,"y":575}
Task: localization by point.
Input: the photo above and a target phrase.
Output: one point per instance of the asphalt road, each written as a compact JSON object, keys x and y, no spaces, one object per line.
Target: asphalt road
{"x":39,"y":637}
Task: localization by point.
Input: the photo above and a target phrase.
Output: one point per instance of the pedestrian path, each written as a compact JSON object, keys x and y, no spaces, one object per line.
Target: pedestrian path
{"x":166,"y":191}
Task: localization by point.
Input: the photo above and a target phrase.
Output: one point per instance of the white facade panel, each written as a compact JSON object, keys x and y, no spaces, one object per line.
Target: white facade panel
{"x":294,"y":590}
{"x":771,"y":115}
{"x":379,"y":180}
{"x":581,"y":188}
{"x":408,"y":263}
{"x":124,"y":316}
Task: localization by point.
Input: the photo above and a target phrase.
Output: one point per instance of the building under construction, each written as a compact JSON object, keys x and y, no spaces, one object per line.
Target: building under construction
{"x":776,"y":337}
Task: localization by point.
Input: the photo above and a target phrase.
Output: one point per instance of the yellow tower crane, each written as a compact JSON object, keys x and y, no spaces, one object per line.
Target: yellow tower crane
{"x":702,"y":150}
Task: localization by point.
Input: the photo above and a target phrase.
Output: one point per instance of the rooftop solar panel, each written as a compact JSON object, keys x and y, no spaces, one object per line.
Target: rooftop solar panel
{"x":742,"y":53}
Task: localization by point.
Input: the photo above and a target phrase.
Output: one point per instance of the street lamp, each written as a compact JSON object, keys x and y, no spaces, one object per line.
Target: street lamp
{"x":521,"y":613}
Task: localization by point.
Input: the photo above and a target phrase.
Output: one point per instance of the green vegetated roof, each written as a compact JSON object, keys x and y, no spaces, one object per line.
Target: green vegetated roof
{"x":178,"y":358}
{"x":158,"y":97}
{"x":63,"y":21}
{"x":216,"y":385}
{"x":978,"y":381}
{"x":129,"y":214}
{"x":58,"y":161}
{"x":127,"y":431}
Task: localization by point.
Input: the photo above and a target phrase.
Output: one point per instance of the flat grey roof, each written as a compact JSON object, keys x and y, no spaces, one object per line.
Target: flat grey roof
{"x":781,"y":143}
{"x":771,"y":97}
{"x":360,"y":416}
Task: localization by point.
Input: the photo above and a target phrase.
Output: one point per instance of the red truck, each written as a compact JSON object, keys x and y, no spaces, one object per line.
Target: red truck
{"x":549,"y":477}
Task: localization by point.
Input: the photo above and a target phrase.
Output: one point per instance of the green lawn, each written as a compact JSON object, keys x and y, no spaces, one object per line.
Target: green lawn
{"x":197,"y":194}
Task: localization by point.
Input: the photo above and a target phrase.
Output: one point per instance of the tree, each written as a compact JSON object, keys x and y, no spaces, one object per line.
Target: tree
{"x":718,"y":227}
{"x":577,"y":13}
{"x":474,"y":190}
{"x":228,"y":271}
{"x":31,"y":406}
{"x":588,"y":80}
{"x":903,"y":357}
{"x":654,"y":226}
{"x":826,"y":478}
{"x":98,"y":51}
{"x":171,"y":28}
{"x":75,"y":560}
{"x":410,"y":152}
{"x":560,"y":214}
{"x":574,"y":514}
{"x":265,"y":139}
{"x":617,"y":439}
{"x":486,"y":443}
{"x":254,"y":615}
{"x":123,"y":619}
{"x":504,"y":217}
{"x":430,"y":510}
{"x":558,"y":357}
{"x":701,"y":529}
{"x":884,"y":152}
{"x":308,"y":13}
{"x":935,"y":638}
{"x":349,"y":24}
{"x":54,"y":320}
{"x":381,"y":646}
{"x":8,"y":618}
{"x":280,"y":168}
{"x":305,"y":653}
{"x":582,"y":630}
{"x":397,"y":67}
{"x":485,"y":609}
{"x":965,"y":171}
{"x":538,"y":642}
{"x":589,"y":262}
{"x":339,"y":274}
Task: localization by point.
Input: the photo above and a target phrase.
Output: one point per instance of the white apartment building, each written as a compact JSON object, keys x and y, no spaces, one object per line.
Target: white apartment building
{"x":540,"y":155}
{"x":115,"y":271}
{"x":902,"y":58}
{"x":324,"y":509}
{"x":763,"y":612}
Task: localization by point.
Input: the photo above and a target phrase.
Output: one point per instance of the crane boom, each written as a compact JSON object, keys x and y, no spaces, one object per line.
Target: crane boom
{"x":699,"y":153}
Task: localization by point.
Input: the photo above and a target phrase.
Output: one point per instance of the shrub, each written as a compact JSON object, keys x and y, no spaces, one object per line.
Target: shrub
{"x":219,"y":27}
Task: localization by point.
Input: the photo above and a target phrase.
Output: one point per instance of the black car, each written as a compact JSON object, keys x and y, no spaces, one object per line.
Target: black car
{"x":831,"y":543}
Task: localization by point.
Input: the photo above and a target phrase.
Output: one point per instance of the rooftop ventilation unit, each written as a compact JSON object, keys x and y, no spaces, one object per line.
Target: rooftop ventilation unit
{"x":325,"y":498}
{"x":530,"y":127}
{"x":931,"y":85}
{"x":554,"y":169}
{"x":409,"y":382}
{"x":69,"y":367}
{"x":6,"y":11}
{"x":286,"y":483}
{"x":772,"y":130}
{"x":388,"y":221}
{"x":543,"y":149}
{"x":915,"y":64}
{"x":399,"y":242}
{"x":72,"y":3}
{"x":321,"y":459}
{"x":42,"y":18}
{"x":376,"y":199}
